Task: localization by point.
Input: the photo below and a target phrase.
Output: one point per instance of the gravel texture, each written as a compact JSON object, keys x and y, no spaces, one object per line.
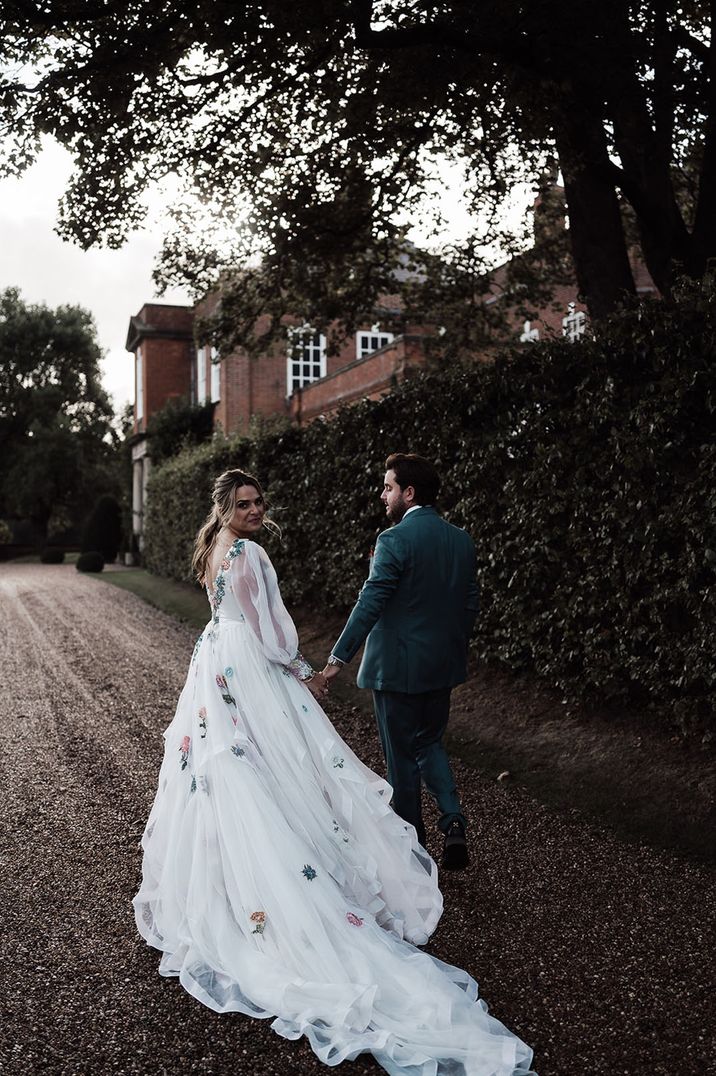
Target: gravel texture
{"x":598,"y":953}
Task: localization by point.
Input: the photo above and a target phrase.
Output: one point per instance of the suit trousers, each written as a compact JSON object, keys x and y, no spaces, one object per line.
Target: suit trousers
{"x":411,"y":728}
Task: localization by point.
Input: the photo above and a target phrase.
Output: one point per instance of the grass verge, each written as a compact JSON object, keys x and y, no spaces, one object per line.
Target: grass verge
{"x":177,"y":599}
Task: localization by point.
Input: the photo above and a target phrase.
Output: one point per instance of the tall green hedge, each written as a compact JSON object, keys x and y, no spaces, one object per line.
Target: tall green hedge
{"x":586,"y":474}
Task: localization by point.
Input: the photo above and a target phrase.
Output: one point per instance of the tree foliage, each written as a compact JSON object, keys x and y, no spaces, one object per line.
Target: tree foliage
{"x":586,"y":473}
{"x":312,"y":135}
{"x":55,"y":418}
{"x":177,"y":425}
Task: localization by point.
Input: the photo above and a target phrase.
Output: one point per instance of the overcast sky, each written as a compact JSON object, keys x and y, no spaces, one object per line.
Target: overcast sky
{"x":112,"y":284}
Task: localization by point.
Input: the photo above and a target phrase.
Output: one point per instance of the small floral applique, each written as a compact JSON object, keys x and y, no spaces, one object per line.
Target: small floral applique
{"x":354,"y":920}
{"x":229,"y":671}
{"x":309,"y":872}
{"x":224,"y":689}
{"x":193,"y":783}
{"x":304,"y":708}
{"x":337,"y":829}
{"x":259,"y":918}
{"x":184,"y":751}
{"x":238,"y":751}
{"x":216,"y":596}
{"x":197,"y":644}
{"x":202,"y":722}
{"x":338,"y":762}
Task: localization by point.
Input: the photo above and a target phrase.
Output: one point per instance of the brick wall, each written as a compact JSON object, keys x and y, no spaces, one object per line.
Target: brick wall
{"x":367,"y":378}
{"x":165,"y":335}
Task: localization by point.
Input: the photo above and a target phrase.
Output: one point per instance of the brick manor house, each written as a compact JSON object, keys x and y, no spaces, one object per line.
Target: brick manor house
{"x":299,"y":381}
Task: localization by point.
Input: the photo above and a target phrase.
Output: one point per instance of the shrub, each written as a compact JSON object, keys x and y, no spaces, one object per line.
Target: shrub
{"x":585,"y":473}
{"x":179,"y":425}
{"x":5,"y":533}
{"x":92,"y":561}
{"x":52,"y":555}
{"x":103,"y":528}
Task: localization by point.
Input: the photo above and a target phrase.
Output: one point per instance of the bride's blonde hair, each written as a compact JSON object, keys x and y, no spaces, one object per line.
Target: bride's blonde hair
{"x":224,"y":497}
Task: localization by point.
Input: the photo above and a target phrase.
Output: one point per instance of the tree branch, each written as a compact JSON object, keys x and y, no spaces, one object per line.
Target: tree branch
{"x":440,"y":32}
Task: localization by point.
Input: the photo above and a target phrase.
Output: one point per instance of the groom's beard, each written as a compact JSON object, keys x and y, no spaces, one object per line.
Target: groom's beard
{"x":396,"y":513}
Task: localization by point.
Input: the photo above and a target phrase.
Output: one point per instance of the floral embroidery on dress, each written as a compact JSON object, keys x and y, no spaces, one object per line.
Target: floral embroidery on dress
{"x":309,"y":872}
{"x":304,"y":708}
{"x":354,"y":920}
{"x":224,"y":689}
{"x":229,"y":671}
{"x":299,"y":667}
{"x":197,"y":644}
{"x":337,"y":762}
{"x":216,"y":594}
{"x":184,"y":751}
{"x":238,"y":751}
{"x":337,"y":829}
{"x":193,"y":783}
{"x":202,"y":722}
{"x":259,"y":918}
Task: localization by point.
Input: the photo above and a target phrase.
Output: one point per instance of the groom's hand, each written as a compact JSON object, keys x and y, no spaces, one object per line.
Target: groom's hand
{"x":331,"y":671}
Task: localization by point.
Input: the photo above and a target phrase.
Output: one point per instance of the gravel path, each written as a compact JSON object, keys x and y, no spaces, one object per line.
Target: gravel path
{"x":598,"y":953}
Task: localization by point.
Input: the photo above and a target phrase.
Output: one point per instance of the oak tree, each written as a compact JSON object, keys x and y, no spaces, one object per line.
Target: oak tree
{"x":311,"y":133}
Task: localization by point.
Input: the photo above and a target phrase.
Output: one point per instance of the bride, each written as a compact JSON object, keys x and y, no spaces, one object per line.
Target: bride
{"x":277,"y":881}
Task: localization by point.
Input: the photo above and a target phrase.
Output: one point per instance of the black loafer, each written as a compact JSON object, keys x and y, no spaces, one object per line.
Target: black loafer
{"x":455,"y":856}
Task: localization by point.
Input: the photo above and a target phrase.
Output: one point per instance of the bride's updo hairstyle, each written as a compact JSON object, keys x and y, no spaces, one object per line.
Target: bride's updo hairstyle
{"x":223,"y":496}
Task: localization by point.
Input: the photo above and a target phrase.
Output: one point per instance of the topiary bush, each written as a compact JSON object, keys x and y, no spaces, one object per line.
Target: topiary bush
{"x":586,"y":474}
{"x":92,"y":561}
{"x":103,"y":528}
{"x":52,"y":555}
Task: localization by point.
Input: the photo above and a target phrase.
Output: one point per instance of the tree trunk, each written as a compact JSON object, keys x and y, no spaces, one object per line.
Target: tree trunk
{"x":604,"y":275}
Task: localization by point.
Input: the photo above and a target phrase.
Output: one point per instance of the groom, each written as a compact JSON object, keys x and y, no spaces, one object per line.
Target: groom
{"x":417,"y":609}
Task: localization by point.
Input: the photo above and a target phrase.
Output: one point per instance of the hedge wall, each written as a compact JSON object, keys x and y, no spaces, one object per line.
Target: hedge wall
{"x":585,"y":473}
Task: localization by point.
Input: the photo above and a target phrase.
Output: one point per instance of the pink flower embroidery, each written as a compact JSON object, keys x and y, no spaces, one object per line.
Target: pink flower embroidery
{"x":221,"y":681}
{"x":259,"y":918}
{"x":202,"y":721}
{"x":184,"y":751}
{"x":354,"y":920}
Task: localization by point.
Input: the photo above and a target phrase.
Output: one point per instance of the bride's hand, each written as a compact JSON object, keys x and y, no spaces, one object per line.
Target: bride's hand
{"x":317,"y":685}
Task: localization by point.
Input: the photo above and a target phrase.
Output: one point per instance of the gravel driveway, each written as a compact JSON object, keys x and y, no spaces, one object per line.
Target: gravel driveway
{"x":598,"y":953}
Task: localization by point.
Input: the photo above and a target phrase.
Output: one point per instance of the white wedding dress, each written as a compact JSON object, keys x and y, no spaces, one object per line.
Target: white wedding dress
{"x":277,"y":881}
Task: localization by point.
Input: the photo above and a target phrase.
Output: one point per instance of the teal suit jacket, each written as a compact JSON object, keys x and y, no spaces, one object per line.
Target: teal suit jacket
{"x":416,"y":609}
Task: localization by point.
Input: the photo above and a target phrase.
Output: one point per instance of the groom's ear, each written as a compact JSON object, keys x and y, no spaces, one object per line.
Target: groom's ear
{"x":409,"y":494}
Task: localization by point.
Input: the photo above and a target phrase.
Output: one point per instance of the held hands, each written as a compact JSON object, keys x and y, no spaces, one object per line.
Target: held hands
{"x":330,"y":672}
{"x":317,"y":685}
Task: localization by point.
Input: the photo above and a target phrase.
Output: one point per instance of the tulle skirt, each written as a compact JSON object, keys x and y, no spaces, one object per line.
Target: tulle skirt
{"x":277,"y":881}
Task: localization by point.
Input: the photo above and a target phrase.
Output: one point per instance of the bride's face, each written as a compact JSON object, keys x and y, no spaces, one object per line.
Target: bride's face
{"x":249,"y":512}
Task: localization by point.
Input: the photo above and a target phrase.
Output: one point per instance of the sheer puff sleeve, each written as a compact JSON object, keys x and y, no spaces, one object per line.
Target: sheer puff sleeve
{"x":255,"y":588}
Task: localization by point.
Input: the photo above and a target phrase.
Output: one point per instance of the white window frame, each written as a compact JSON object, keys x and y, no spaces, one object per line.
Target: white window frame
{"x":139,"y":385}
{"x":215,"y":375}
{"x":305,"y":362}
{"x":201,"y":387}
{"x":370,"y":340}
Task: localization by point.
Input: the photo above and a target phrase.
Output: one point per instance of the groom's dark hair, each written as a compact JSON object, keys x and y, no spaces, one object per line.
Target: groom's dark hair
{"x":415,"y":471}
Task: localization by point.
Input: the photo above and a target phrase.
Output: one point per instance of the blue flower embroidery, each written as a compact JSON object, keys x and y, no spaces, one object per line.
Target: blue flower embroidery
{"x":229,"y":672}
{"x":338,"y":762}
{"x":308,"y":872}
{"x":238,"y":751}
{"x":304,"y":708}
{"x":193,"y":783}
